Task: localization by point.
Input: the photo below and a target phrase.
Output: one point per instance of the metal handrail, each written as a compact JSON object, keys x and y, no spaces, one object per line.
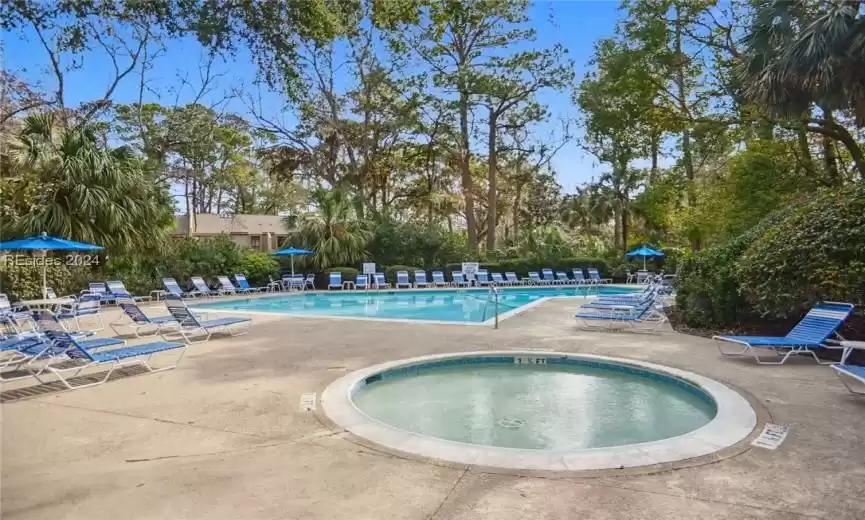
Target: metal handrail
{"x":494,"y":291}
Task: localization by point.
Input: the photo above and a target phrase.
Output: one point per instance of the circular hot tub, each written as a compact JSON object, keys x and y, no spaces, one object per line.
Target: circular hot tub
{"x":539,"y":410}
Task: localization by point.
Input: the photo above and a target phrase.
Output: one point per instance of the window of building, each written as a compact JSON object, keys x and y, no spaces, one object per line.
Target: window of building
{"x":255,"y":242}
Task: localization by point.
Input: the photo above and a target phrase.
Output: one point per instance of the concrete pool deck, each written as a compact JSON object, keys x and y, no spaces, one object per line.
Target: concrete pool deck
{"x":223,"y":437}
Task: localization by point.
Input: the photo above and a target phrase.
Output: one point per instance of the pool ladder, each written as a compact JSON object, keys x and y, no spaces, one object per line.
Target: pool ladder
{"x":492,"y":294}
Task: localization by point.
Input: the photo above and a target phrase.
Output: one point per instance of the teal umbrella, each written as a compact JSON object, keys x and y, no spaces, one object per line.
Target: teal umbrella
{"x":293,"y":252}
{"x":45,"y":243}
{"x":645,"y":252}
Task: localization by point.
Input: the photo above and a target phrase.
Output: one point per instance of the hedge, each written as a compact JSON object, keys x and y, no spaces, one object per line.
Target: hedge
{"x":816,"y":252}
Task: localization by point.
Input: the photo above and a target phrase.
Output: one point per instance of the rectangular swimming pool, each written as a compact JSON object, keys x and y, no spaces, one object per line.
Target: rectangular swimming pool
{"x":439,"y":305}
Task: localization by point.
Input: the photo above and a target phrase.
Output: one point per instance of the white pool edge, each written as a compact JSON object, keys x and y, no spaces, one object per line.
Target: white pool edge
{"x":734,"y":421}
{"x":503,"y":316}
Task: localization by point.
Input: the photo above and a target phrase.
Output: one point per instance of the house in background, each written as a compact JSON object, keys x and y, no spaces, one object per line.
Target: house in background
{"x":259,"y":232}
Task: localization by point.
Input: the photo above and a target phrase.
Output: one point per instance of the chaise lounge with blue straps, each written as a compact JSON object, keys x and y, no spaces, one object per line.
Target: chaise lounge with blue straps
{"x":809,"y":335}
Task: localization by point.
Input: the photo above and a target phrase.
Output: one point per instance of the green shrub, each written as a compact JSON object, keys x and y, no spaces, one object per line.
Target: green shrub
{"x":816,"y":252}
{"x":408,"y":243}
{"x":390,"y":272}
{"x":207,"y":258}
{"x":707,"y":286}
{"x":258,"y":268}
{"x":707,"y":291}
{"x":21,"y":278}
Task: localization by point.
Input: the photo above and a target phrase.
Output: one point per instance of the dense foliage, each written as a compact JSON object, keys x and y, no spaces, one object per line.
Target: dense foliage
{"x":816,"y":252}
{"x":416,"y":133}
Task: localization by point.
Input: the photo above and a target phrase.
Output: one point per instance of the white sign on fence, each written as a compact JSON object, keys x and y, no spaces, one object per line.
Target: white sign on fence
{"x":469,"y":270}
{"x":369,"y":268}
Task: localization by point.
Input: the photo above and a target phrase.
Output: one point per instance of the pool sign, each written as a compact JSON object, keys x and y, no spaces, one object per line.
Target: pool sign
{"x":469,"y":269}
{"x":369,"y":268}
{"x":771,"y":437}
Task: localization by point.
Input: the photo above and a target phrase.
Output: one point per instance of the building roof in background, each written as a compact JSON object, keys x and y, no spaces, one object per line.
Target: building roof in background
{"x":214,"y":224}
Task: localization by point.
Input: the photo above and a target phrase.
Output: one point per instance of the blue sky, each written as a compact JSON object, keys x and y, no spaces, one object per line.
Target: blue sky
{"x":575,"y":24}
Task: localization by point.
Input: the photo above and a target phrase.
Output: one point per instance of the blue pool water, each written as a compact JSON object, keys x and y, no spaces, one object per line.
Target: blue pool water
{"x":436,"y":305}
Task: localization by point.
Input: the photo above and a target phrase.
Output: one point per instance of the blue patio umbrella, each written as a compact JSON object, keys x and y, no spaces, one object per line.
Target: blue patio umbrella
{"x":293,"y":252}
{"x":45,"y":243}
{"x":645,"y":252}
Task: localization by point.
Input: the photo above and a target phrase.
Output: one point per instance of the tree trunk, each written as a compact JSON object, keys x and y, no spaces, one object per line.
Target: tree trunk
{"x":465,"y":167}
{"x":190,"y":225}
{"x":838,"y":132}
{"x":829,"y":160}
{"x":492,"y":177}
{"x":617,"y":229}
{"x":682,"y":94}
{"x":656,"y":145}
{"x":625,"y":230}
{"x":805,"y":151}
{"x":518,"y":194}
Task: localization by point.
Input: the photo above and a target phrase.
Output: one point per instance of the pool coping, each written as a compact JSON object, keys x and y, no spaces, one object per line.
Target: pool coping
{"x":503,"y":316}
{"x":733,"y":423}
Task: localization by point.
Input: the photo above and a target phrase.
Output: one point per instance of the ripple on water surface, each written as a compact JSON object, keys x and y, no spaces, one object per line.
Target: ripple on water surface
{"x":535,"y":407}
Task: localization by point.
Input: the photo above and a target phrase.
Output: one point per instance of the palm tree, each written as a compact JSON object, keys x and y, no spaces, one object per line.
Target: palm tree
{"x":334,"y":231}
{"x":81,"y":190}
{"x":800,"y":53}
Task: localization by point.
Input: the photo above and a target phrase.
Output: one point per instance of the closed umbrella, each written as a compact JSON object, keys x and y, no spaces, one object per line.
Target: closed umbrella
{"x":45,"y":243}
{"x":645,"y":252}
{"x":293,"y":252}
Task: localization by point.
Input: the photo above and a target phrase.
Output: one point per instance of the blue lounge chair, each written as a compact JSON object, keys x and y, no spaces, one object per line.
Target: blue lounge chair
{"x":482,"y":278}
{"x":334,"y":280}
{"x":380,"y":281}
{"x":134,"y":318}
{"x":27,"y":354}
{"x":87,"y":306}
{"x":549,"y":278}
{"x":498,"y":280}
{"x":535,"y":278}
{"x":117,"y":288}
{"x":112,"y":358}
{"x":244,"y":284}
{"x":459,"y":280}
{"x":811,"y":333}
{"x":12,"y":317}
{"x":226,"y":287}
{"x":101,"y":290}
{"x":512,"y":278}
{"x":562,"y":278}
{"x":595,"y":276}
{"x":639,"y":319}
{"x":439,"y":279}
{"x":402,"y":280}
{"x":853,"y":376}
{"x":188,"y":325}
{"x":362,"y":282}
{"x":173,"y":287}
{"x":420,"y":279}
{"x":202,"y":287}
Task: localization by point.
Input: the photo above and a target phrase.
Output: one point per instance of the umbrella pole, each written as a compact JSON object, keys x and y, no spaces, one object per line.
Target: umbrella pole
{"x":44,"y":274}
{"x":644,"y":263}
{"x":292,"y":264}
